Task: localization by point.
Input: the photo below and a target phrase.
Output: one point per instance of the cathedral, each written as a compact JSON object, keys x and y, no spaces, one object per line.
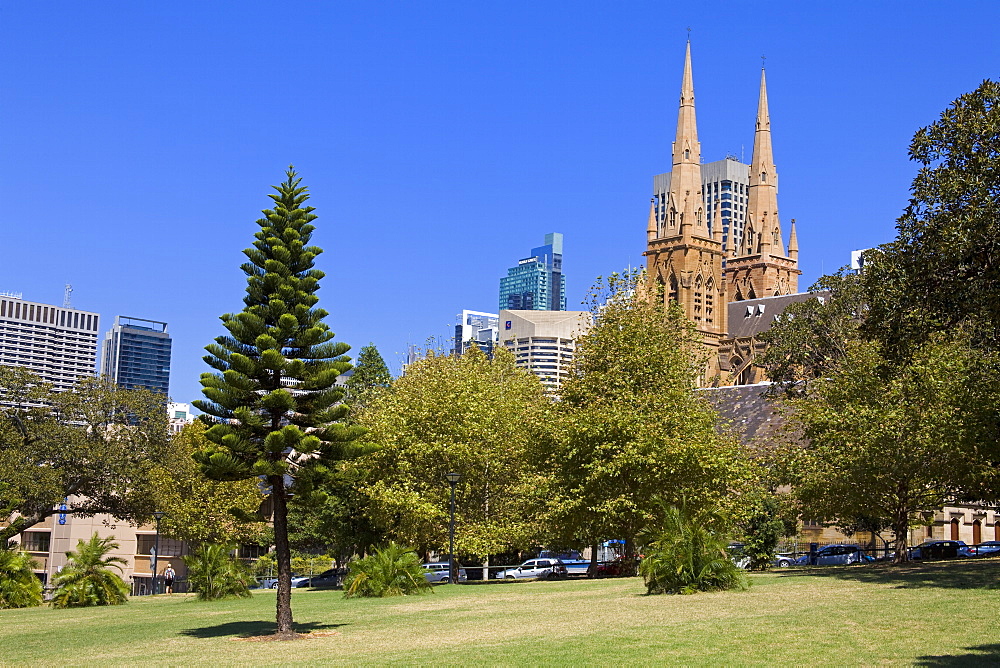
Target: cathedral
{"x":731,"y":283}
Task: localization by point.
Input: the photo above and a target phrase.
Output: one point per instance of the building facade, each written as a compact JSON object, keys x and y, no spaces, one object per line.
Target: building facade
{"x":476,"y":327}
{"x":544,"y":342}
{"x":136,"y":354}
{"x":57,"y":343}
{"x":537,"y":282}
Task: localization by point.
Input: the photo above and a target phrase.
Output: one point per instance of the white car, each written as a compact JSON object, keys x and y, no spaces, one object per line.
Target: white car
{"x":438,"y":573}
{"x":547,"y":569}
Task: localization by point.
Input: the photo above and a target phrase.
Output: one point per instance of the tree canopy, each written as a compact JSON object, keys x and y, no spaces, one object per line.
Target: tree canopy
{"x":91,"y":449}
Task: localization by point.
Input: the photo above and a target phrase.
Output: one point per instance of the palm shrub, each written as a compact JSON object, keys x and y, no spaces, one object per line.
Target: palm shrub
{"x":87,"y":579}
{"x":689,"y":555}
{"x":19,"y":588}
{"x":214,"y":573}
{"x":393,"y":570}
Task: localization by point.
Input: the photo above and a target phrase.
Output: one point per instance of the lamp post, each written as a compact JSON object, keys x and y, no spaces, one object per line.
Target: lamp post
{"x":158,"y":515}
{"x":453,"y":479}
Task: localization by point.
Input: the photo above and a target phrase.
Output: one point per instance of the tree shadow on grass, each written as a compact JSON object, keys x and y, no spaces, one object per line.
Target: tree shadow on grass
{"x":980,"y":655}
{"x":963,"y":574}
{"x":251,"y":629}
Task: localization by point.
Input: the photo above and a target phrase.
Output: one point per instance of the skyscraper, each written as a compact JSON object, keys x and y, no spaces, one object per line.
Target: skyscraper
{"x":475,"y":326}
{"x":57,"y":343}
{"x":137,"y":354}
{"x":537,"y":282}
{"x":544,"y":343}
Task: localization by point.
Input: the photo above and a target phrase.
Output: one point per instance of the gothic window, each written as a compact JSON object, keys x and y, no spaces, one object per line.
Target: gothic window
{"x":672,"y":288}
{"x":748,"y":237}
{"x":777,"y":238}
{"x":687,"y":154}
{"x":698,"y":217}
{"x":673,"y":217}
{"x":763,"y":177}
{"x":697,"y":299}
{"x":709,"y":300}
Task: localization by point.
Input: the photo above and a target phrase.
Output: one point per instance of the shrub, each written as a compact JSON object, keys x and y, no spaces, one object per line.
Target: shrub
{"x":689,"y":555}
{"x":214,"y":573}
{"x":392,"y":571}
{"x":87,"y":578}
{"x":19,"y":588}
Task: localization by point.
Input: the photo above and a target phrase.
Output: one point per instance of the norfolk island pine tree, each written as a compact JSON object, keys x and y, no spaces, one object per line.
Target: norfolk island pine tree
{"x":259,"y":427}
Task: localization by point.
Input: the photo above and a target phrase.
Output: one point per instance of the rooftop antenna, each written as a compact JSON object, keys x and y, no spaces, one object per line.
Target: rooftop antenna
{"x":67,"y":296}
{"x":762,"y":59}
{"x":741,"y":154}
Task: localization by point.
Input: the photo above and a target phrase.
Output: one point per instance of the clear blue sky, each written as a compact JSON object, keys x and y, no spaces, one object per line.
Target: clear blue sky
{"x":440,"y":140}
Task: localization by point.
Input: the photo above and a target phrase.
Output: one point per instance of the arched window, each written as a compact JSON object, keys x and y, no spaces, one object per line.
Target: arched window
{"x":954,"y":529}
{"x":698,"y":217}
{"x":777,"y":238}
{"x":748,"y":239}
{"x":698,"y":283}
{"x":687,"y":154}
{"x":977,"y":532}
{"x":673,"y":217}
{"x":709,"y":301}
{"x":672,"y":288}
{"x":763,"y":177}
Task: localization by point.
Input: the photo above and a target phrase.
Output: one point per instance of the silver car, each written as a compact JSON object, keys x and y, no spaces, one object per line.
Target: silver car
{"x":547,"y":569}
{"x":438,"y":573}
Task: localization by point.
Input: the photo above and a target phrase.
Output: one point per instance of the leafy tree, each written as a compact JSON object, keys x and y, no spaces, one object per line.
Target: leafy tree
{"x":273,"y":395}
{"x":469,"y":414}
{"x":889,"y":441}
{"x":370,"y":376}
{"x":632,"y":427}
{"x":87,"y":579}
{"x":688,"y":554}
{"x":334,"y":518}
{"x":942,"y":269}
{"x":392,"y":571}
{"x":19,"y":587}
{"x":201,"y":509}
{"x":92,"y":447}
{"x":214,"y":573}
{"x":762,"y":526}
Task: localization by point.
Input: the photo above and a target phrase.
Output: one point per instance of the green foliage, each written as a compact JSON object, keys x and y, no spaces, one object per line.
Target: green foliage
{"x":392,"y":571}
{"x":93,"y":446}
{"x":762,"y":527}
{"x":215,"y":574}
{"x":335,"y":518}
{"x":201,"y":509}
{"x":472,"y":415}
{"x":631,"y":425}
{"x":370,"y":377}
{"x":887,"y":441}
{"x":87,"y":579}
{"x":19,"y":587}
{"x":688,"y":554}
{"x":259,"y":426}
{"x":941,"y":272}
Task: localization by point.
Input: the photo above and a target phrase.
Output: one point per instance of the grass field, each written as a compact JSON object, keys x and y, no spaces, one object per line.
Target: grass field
{"x":933,"y":615}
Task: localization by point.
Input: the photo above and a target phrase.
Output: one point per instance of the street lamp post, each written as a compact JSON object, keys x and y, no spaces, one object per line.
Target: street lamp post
{"x":453,"y":479}
{"x":158,"y":515}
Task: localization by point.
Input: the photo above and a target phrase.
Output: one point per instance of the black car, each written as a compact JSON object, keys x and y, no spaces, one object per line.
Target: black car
{"x":940,"y":549}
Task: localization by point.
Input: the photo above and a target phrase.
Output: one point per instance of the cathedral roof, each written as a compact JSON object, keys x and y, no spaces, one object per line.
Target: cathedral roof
{"x":750,"y":317}
{"x":749,"y":410}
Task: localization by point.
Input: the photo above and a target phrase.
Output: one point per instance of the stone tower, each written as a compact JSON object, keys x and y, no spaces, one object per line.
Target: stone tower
{"x":682,"y":254}
{"x":760,"y":267}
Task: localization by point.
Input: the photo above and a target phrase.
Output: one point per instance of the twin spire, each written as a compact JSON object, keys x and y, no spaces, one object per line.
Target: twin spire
{"x":762,"y":233}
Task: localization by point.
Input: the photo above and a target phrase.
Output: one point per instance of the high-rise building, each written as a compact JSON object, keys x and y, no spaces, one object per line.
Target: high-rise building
{"x":476,"y":326}
{"x":537,"y":282}
{"x":179,"y":416}
{"x":725,"y":190}
{"x":544,"y":342}
{"x":57,"y":343}
{"x":137,"y":354}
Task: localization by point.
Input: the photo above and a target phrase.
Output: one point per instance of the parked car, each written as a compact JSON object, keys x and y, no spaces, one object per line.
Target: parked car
{"x":835,"y":554}
{"x":328,"y":578}
{"x":989,"y":548}
{"x":547,"y":569}
{"x":940,"y":549}
{"x":438,"y":573}
{"x":784,"y":560}
{"x":619,"y":567}
{"x":737,"y":555}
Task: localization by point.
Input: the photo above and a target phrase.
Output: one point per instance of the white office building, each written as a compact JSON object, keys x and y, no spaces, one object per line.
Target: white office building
{"x":544,"y":342}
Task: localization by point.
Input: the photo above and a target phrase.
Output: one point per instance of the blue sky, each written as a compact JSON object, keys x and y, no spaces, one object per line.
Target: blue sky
{"x":440,"y":141}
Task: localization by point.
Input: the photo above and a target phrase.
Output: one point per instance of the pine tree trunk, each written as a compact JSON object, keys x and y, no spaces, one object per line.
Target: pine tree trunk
{"x":283,"y":554}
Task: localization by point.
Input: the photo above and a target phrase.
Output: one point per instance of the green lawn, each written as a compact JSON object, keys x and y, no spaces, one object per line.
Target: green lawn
{"x":937,"y":615}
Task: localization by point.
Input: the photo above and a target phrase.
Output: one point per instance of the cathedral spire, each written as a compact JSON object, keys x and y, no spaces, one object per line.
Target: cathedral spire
{"x":685,"y":178}
{"x":651,"y":225}
{"x":793,"y":243}
{"x":762,"y":205}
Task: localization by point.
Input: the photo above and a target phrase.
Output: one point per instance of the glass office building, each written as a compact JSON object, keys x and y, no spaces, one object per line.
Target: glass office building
{"x":137,"y":354}
{"x":537,"y":282}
